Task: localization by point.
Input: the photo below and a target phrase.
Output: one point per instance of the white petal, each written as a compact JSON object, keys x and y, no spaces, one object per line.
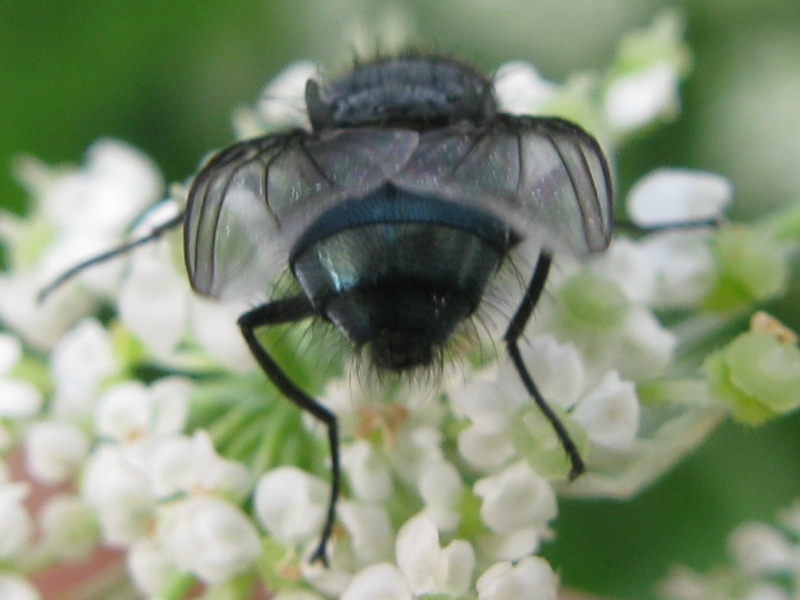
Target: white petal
{"x":79,"y":363}
{"x":684,"y":265}
{"x":556,"y":368}
{"x":10,"y":353}
{"x":15,"y":522}
{"x":123,"y":412}
{"x":116,"y":184}
{"x":635,"y":100}
{"x":154,"y":298}
{"x":371,"y":535}
{"x":170,"y":404}
{"x":209,"y":537}
{"x":40,"y":323}
{"x":610,"y":413}
{"x":630,"y":267}
{"x":378,"y":582}
{"x":16,"y":587}
{"x":761,"y":549}
{"x":521,"y":89}
{"x":150,"y":567}
{"x":367,"y":471}
{"x":214,"y":326}
{"x":485,"y":449}
{"x":440,"y":488}
{"x":515,"y":498}
{"x":119,"y":492}
{"x":418,"y":553}
{"x":531,"y":578}
{"x":55,"y":450}
{"x":69,"y":527}
{"x":291,"y":504}
{"x":19,"y":399}
{"x":667,"y":196}
{"x":283,"y":99}
{"x":644,"y":348}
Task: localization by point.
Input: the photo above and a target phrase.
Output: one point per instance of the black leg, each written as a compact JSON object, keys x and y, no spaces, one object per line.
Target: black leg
{"x":513,"y":333}
{"x":286,"y":311}
{"x":156,"y":233}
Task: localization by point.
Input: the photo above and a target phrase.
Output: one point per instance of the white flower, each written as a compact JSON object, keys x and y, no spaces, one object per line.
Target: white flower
{"x":423,"y":567}
{"x":380,"y":580}
{"x":280,"y":105}
{"x":610,"y":413}
{"x":192,"y":465}
{"x":40,"y":323}
{"x":685,"y":269}
{"x":669,"y":196}
{"x":440,"y":488}
{"x":211,"y":538}
{"x":521,"y":90}
{"x":118,"y":489}
{"x":129,"y":411}
{"x":531,"y":578}
{"x":761,"y":549}
{"x":80,"y":362}
{"x":69,"y":527}
{"x":367,"y":471}
{"x":157,"y":303}
{"x":86,"y":210}
{"x":370,"y":531}
{"x":639,"y":98}
{"x":291,"y":504}
{"x":117,"y":183}
{"x":18,"y":399}
{"x":15,"y":522}
{"x":150,"y":566}
{"x":429,"y":568}
{"x":55,"y":450}
{"x":518,"y":503}
{"x":16,"y":587}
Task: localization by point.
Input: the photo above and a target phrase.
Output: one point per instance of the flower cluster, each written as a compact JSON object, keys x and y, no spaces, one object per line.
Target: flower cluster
{"x":163,"y":440}
{"x":765,"y":566}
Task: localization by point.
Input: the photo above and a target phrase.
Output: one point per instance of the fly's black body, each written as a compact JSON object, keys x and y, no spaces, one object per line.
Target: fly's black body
{"x":394,"y":213}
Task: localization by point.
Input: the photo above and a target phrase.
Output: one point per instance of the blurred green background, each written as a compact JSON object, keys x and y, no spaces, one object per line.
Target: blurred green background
{"x":165,"y":77}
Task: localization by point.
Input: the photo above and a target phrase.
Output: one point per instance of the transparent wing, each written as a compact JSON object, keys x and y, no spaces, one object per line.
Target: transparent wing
{"x":251,"y":200}
{"x":545,"y":177}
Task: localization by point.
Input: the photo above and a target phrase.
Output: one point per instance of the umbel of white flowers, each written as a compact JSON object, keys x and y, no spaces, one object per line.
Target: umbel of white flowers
{"x":450,"y":492}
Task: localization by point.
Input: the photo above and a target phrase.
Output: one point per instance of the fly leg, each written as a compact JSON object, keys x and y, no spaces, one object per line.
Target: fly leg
{"x":515,"y":329}
{"x":286,"y":311}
